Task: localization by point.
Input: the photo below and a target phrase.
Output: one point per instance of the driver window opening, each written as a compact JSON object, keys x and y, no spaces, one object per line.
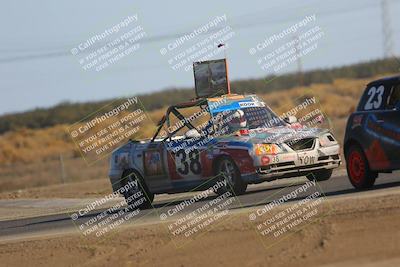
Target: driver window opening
{"x":179,"y":128}
{"x":394,"y":98}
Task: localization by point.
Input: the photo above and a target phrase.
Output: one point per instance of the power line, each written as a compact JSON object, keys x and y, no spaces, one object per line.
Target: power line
{"x":158,"y":38}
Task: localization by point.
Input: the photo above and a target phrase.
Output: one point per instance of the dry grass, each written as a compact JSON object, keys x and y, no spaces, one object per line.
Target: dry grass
{"x":30,"y":158}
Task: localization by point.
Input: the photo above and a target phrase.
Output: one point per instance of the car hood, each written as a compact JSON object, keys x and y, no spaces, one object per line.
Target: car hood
{"x":282,"y":134}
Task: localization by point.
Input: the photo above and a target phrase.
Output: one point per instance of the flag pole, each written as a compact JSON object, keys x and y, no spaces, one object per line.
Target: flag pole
{"x":226,"y":68}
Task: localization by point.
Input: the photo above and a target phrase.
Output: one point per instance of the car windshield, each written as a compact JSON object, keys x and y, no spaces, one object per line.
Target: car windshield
{"x":261,"y":117}
{"x":246,"y":118}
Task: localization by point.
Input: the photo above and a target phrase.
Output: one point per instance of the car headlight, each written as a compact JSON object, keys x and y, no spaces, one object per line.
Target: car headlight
{"x":266,"y":149}
{"x":327,"y":140}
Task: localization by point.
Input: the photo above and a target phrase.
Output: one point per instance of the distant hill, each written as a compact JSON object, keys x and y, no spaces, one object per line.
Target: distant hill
{"x":68,"y":113}
{"x":39,"y":157}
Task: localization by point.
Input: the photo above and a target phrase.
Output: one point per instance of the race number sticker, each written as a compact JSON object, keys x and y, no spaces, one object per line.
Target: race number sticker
{"x":375,"y":98}
{"x":188,"y":164}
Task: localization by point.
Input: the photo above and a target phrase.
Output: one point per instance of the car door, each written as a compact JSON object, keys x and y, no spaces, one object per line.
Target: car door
{"x":388,"y":126}
{"x":381,"y":126}
{"x":184,"y":160}
{"x":155,"y":166}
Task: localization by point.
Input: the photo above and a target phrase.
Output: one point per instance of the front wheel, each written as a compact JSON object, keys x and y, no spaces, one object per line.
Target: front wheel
{"x":321,"y":175}
{"x":231,"y":177}
{"x":360,"y":175}
{"x":135,"y":191}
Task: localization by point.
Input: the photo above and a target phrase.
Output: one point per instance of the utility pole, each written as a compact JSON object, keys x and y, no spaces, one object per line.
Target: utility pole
{"x":298,"y":60}
{"x":387,"y":30}
{"x":226,"y":68}
{"x":62,"y":169}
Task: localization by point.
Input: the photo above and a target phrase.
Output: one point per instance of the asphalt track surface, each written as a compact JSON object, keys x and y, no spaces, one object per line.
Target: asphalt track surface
{"x":255,"y":196}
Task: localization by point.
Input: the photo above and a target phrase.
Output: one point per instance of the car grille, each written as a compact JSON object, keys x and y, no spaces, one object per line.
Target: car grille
{"x":301,"y":144}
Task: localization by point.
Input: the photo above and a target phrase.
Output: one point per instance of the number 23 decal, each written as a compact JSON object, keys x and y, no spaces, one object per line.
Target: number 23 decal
{"x":187,"y":164}
{"x":378,"y":101}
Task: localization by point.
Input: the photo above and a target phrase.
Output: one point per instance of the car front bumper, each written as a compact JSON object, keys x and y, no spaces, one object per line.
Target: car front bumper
{"x":292,"y":164}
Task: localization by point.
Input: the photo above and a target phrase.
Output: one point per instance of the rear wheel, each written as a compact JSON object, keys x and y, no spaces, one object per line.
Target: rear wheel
{"x":360,"y":175}
{"x":321,"y":175}
{"x":230,"y":175}
{"x":137,"y":195}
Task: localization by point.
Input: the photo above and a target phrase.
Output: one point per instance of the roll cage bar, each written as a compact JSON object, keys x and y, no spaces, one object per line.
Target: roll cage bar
{"x":175,"y":110}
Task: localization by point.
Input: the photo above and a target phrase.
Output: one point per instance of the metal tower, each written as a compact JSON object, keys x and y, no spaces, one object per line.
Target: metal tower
{"x":387,"y":30}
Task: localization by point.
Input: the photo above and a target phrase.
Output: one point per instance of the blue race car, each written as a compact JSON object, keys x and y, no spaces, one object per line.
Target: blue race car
{"x":372,"y":139}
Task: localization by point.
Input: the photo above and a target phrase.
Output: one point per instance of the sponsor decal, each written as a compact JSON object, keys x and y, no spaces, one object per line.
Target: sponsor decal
{"x":152,"y":161}
{"x":388,"y":132}
{"x":265,"y":160}
{"x":356,"y":121}
{"x":376,"y":156}
{"x":248,"y":104}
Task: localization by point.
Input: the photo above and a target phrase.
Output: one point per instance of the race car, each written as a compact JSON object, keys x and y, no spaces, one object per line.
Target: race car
{"x":372,"y":138}
{"x":239,"y":141}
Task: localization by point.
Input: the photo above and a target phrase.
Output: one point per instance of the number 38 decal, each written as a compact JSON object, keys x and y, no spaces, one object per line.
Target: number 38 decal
{"x":188,"y":162}
{"x":374,"y":102}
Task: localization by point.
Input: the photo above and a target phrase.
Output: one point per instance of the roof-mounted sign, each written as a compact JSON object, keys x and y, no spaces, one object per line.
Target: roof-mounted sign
{"x":211,"y":78}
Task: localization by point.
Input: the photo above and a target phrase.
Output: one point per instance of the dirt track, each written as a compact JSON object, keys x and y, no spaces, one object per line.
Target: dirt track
{"x":360,"y":229}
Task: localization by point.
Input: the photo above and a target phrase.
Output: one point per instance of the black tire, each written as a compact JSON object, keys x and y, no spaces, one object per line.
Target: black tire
{"x":229,"y":172}
{"x":321,"y":175}
{"x":130,"y":176}
{"x":358,"y":171}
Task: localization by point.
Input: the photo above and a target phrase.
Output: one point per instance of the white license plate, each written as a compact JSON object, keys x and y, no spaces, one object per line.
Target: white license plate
{"x":307,"y":159}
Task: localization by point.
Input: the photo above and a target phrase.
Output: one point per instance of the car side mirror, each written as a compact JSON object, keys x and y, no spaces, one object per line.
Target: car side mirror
{"x":290,"y":119}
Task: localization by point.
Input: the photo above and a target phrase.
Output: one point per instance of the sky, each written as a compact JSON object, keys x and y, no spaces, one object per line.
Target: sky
{"x":38,"y":69}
